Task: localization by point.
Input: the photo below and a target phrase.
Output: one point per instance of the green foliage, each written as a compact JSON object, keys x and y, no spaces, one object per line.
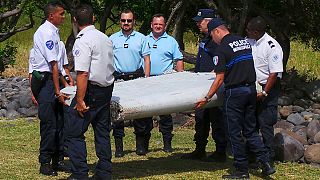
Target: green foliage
{"x":7,"y":56}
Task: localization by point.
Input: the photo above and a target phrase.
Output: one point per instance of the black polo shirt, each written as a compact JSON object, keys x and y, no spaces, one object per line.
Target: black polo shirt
{"x":206,"y":50}
{"x":234,"y":57}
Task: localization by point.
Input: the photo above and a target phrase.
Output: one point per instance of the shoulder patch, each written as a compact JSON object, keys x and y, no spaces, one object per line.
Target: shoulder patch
{"x":215,"y":60}
{"x":50,"y":44}
{"x":275,"y":58}
{"x":79,"y":36}
{"x":271,"y":44}
{"x":76,"y":53}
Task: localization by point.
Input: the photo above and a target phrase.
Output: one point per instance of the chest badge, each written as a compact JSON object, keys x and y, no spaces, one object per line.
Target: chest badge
{"x":126,"y":45}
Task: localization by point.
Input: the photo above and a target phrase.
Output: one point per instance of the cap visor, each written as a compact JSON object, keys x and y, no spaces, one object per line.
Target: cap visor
{"x":197,"y":18}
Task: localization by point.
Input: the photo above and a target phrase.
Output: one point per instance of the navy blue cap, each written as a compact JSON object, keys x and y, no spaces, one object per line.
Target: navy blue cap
{"x":204,"y":13}
{"x":214,"y":23}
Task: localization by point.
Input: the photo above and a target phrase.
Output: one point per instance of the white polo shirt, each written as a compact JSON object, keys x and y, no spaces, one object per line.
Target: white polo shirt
{"x":267,"y":54}
{"x":93,"y":53}
{"x":46,"y":47}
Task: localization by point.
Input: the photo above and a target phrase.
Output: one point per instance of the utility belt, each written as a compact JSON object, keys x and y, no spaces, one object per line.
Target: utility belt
{"x":38,"y":81}
{"x":240,"y":85}
{"x":128,"y":76}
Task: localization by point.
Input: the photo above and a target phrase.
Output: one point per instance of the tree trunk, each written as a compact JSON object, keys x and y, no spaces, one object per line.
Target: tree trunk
{"x":178,"y":28}
{"x":106,"y":14}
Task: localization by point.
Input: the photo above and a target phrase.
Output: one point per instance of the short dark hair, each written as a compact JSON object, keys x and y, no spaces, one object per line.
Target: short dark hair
{"x":126,"y":11}
{"x":51,"y":7}
{"x":157,"y":16}
{"x":258,"y":24}
{"x":84,"y":14}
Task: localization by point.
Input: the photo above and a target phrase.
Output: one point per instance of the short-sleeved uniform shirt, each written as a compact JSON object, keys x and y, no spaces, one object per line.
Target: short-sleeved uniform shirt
{"x":206,"y":50}
{"x":268,"y":55}
{"x":163,"y":52}
{"x":234,"y":57}
{"x":129,"y":51}
{"x":93,"y":53}
{"x":46,"y":47}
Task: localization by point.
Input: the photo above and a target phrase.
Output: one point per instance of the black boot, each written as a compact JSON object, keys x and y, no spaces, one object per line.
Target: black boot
{"x":119,"y":147}
{"x":61,"y":166}
{"x":216,"y":157}
{"x":267,"y":169}
{"x":46,"y":169}
{"x":237,"y":174}
{"x":197,"y":154}
{"x":140,"y":146}
{"x":146,"y":142}
{"x":167,"y":146}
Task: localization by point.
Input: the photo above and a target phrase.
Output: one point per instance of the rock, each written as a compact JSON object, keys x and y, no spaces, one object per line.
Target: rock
{"x":307,"y":115}
{"x":301,"y":131}
{"x":285,"y":111}
{"x":313,"y":128}
{"x":12,"y":114}
{"x":13,"y":105}
{"x":315,"y":106}
{"x":284,"y":125}
{"x":297,"y":109}
{"x":32,"y":111}
{"x":3,"y":112}
{"x":284,"y":101}
{"x":312,"y":154}
{"x":302,"y":103}
{"x":316,"y":138}
{"x":295,"y":119}
{"x":277,"y":130}
{"x":25,"y":100}
{"x":316,"y":111}
{"x":287,"y":148}
{"x":296,"y":136}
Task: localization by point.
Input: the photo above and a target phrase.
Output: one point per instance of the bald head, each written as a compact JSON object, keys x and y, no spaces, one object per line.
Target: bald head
{"x":257,"y":24}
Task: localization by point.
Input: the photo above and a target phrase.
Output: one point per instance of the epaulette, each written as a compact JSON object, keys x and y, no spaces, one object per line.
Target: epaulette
{"x":271,"y":44}
{"x":79,"y":36}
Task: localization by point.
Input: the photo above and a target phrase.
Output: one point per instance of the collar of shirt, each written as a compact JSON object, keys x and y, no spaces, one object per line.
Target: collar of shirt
{"x":88,"y":28}
{"x":261,"y":39}
{"x":51,"y":26}
{"x":164,"y":35}
{"x":132,"y":33}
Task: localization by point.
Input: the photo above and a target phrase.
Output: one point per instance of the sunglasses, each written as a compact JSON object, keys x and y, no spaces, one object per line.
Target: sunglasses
{"x":128,"y":20}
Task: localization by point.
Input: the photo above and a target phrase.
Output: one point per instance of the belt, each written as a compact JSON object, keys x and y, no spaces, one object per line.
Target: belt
{"x":240,"y":85}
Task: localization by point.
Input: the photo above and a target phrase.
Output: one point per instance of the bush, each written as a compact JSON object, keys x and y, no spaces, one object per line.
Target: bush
{"x":7,"y":56}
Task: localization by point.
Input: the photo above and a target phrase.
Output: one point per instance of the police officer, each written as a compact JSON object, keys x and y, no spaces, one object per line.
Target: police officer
{"x":235,"y":67}
{"x":132,"y":60}
{"x":213,"y":116}
{"x":93,"y":59}
{"x":164,"y":53}
{"x":267,"y":55}
{"x":46,"y":90}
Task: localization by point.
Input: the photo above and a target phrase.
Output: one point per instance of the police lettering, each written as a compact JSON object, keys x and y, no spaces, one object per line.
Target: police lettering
{"x":240,"y":45}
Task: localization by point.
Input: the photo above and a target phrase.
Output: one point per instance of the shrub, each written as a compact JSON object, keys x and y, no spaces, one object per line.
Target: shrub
{"x":7,"y":56}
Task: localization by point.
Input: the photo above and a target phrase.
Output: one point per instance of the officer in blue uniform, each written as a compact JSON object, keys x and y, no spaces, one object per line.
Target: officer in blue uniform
{"x":46,"y":90}
{"x":235,"y":68}
{"x":213,"y":116}
{"x":164,"y":54}
{"x":267,"y":55}
{"x":132,"y":60}
{"x":93,"y":57}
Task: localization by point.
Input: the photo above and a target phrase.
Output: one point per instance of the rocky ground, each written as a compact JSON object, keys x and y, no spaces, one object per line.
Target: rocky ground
{"x":297,"y":132}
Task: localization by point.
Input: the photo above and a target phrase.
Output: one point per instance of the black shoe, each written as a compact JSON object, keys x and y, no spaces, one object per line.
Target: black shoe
{"x":237,"y":175}
{"x":216,"y":157}
{"x":195,"y":155}
{"x":140,"y":146}
{"x":267,"y":169}
{"x":46,"y":169}
{"x":61,"y":166}
{"x":119,"y":147}
{"x":167,"y":146}
{"x":254,"y":165}
{"x":72,"y":177}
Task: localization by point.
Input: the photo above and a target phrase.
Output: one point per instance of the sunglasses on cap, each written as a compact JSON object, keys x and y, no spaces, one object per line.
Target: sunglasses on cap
{"x":128,"y":20}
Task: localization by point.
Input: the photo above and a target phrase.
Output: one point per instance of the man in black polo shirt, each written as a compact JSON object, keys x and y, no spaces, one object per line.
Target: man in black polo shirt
{"x":235,"y":68}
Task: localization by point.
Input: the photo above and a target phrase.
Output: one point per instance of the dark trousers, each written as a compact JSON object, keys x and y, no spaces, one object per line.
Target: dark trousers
{"x":142,"y":127}
{"x":240,"y":109}
{"x":98,"y":100}
{"x":50,"y":113}
{"x":204,"y":118}
{"x":166,"y":127}
{"x":267,"y":115}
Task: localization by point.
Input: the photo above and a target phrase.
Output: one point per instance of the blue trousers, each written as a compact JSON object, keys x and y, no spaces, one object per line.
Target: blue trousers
{"x":204,"y":119}
{"x":98,"y":100}
{"x":267,"y":115}
{"x":240,"y":109}
{"x":50,"y":113}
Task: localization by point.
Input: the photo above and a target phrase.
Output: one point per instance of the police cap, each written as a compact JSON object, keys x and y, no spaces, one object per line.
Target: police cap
{"x":214,"y":23}
{"x":204,"y":13}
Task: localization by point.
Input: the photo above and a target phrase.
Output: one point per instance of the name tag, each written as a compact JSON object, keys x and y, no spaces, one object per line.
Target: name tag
{"x":154,"y":46}
{"x":125,"y":45}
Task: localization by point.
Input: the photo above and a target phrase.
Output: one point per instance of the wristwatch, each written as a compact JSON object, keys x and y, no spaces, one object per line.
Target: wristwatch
{"x":264,"y":93}
{"x":207,"y":98}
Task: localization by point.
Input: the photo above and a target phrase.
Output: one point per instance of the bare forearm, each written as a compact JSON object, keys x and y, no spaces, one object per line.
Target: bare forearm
{"x":55,"y":77}
{"x":82,"y":82}
{"x":179,"y":66}
{"x":270,"y":82}
{"x":147,"y":65}
{"x":215,"y":85}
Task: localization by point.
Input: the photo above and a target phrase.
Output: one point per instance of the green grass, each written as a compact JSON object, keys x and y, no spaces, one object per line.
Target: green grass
{"x":19,"y":141}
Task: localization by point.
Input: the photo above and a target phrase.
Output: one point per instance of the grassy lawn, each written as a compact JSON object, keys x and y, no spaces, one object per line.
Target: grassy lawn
{"x":19,"y":141}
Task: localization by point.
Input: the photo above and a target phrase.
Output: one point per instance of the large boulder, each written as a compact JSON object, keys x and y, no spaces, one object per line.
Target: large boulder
{"x":312,"y":154}
{"x":25,"y":100}
{"x":301,"y":131}
{"x":287,"y":148}
{"x":297,"y":137}
{"x":313,"y":128}
{"x":284,"y":101}
{"x":298,"y":109}
{"x":285,"y":111}
{"x":295,"y":119}
{"x":316,"y":138}
{"x":284,"y":125}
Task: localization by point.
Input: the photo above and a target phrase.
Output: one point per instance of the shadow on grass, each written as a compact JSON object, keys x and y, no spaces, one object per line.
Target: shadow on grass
{"x":152,"y":166}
